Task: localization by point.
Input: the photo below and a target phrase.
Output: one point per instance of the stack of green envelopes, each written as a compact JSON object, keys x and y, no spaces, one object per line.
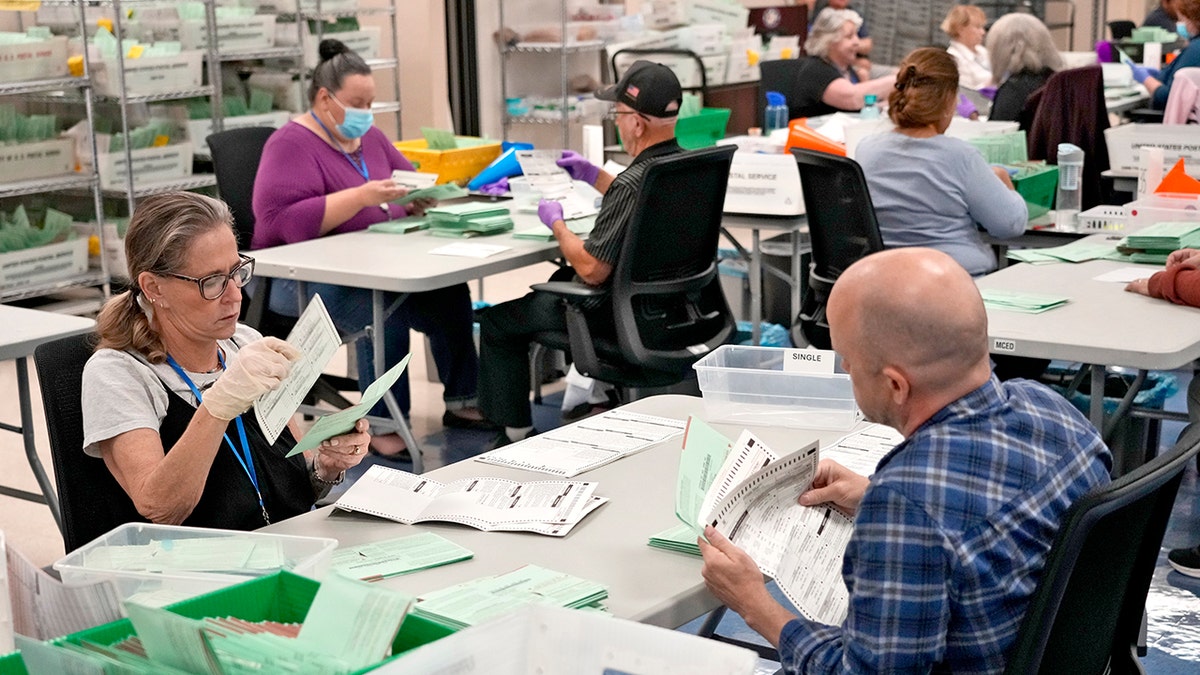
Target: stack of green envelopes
{"x":476,"y":601}
{"x":580,"y":226}
{"x":680,"y":538}
{"x":1153,"y":244}
{"x":470,"y":219}
{"x":1016,"y":301}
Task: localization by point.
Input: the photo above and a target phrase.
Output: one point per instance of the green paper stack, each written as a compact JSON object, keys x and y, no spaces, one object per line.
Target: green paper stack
{"x":19,"y":232}
{"x":1153,"y":244}
{"x":475,"y":601}
{"x":580,"y":226}
{"x":681,"y":539}
{"x":1026,"y":303}
{"x":471,"y":219}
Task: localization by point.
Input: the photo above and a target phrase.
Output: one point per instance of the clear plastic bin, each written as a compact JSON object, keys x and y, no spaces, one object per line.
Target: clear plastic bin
{"x":747,"y":385}
{"x":1160,"y":208}
{"x":140,"y":558}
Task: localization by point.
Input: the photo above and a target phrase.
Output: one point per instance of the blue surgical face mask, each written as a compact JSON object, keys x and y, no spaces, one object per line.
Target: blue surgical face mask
{"x":358,"y":120}
{"x":1181,"y":29}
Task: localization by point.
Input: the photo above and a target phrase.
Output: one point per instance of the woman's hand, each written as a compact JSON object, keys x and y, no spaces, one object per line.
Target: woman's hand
{"x":256,"y":369}
{"x":342,"y":452}
{"x":1002,"y":174}
{"x":1188,"y":257}
{"x":376,"y":192}
{"x":418,"y":207}
{"x":1139,"y":286}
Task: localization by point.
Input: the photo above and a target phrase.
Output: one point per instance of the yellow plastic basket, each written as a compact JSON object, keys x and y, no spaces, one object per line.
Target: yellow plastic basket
{"x":459,"y":165}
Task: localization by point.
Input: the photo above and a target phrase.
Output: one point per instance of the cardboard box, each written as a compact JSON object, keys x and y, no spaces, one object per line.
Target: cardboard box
{"x":34,"y":61}
{"x":199,"y":130}
{"x":660,"y":14}
{"x":150,"y":165}
{"x":705,"y":39}
{"x":44,"y":264}
{"x":1176,"y":140}
{"x":732,"y":15}
{"x":151,"y":75}
{"x":27,"y":161}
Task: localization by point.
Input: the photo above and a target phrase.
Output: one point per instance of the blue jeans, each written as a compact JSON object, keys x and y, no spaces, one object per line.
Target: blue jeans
{"x":444,"y":315}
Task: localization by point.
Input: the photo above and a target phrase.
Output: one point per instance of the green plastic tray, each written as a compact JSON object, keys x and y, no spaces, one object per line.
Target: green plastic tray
{"x":703,"y":130}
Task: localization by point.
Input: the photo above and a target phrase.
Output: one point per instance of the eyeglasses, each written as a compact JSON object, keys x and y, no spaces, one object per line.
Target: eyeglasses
{"x":213,"y":286}
{"x":612,"y":114}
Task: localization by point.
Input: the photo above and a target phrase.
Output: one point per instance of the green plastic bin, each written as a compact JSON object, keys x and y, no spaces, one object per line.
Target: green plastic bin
{"x":11,"y":664}
{"x":1037,"y":186}
{"x":703,"y":130}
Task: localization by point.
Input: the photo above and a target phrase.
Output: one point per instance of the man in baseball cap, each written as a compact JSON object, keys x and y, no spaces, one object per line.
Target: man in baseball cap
{"x":647,"y":100}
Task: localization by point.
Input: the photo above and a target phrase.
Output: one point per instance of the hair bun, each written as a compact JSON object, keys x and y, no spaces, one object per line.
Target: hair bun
{"x":330,"y":48}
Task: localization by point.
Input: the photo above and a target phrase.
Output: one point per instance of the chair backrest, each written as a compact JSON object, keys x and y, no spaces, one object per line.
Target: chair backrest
{"x":668,"y":305}
{"x":777,"y":75}
{"x":1070,"y":108}
{"x":236,"y":154}
{"x":1121,"y":29}
{"x":90,"y":499}
{"x":1183,"y":102}
{"x":1086,"y":612}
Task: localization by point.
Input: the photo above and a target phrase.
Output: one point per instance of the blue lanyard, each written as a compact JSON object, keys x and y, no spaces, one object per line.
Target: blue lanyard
{"x":360,"y":168}
{"x":243,"y":457}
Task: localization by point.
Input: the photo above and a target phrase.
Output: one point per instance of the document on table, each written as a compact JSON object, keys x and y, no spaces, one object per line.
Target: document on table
{"x":801,"y":547}
{"x":382,"y":559}
{"x":1124,"y":275}
{"x":44,"y":607}
{"x":1016,"y":301}
{"x":317,"y":339}
{"x":464,"y":250}
{"x":474,"y":601}
{"x":861,"y":451}
{"x":353,"y":621}
{"x":342,"y":421}
{"x":486,"y":504}
{"x":587,"y":444}
{"x":1077,"y":251}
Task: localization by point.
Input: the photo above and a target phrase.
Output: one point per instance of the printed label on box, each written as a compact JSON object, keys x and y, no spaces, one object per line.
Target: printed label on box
{"x":812,"y":361}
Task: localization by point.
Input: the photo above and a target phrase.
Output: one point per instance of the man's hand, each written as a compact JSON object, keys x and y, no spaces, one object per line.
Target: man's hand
{"x":730,"y":574}
{"x":550,"y":211}
{"x":578,"y":167}
{"x":837,"y":485}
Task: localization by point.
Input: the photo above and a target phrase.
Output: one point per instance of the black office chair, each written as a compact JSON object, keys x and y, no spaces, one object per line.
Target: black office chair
{"x":236,"y":155}
{"x":90,"y":499}
{"x":1086,"y":613}
{"x":842,"y":228}
{"x":667,"y":306}
{"x":1121,"y":30}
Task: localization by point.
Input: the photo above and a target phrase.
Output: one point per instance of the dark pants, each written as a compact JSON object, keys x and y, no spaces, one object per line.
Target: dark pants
{"x":444,"y":314}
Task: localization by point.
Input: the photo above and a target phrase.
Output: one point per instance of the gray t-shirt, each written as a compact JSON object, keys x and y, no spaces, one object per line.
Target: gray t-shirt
{"x":122,"y":391}
{"x":937,"y":192}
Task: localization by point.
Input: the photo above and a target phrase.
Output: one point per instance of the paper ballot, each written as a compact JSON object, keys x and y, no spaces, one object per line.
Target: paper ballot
{"x":317,"y":339}
{"x":342,"y":421}
{"x":545,"y":176}
{"x":353,"y":621}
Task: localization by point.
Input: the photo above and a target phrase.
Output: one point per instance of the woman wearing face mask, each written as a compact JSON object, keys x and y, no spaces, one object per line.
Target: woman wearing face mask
{"x":327,"y":172}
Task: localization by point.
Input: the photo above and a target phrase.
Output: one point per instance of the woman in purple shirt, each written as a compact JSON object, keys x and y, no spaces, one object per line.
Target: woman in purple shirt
{"x":329,"y":171}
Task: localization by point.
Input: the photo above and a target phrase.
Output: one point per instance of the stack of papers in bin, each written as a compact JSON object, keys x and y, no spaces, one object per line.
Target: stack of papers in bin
{"x":1016,"y":301}
{"x":471,"y":219}
{"x":472,"y":602}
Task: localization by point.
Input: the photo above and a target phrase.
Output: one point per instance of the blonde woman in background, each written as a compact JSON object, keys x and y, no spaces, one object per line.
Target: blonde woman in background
{"x":965,"y":26}
{"x":1023,"y":57}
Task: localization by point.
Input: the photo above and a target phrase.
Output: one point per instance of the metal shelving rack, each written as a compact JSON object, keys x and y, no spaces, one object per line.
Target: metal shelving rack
{"x":82,"y":86}
{"x":564,"y":50}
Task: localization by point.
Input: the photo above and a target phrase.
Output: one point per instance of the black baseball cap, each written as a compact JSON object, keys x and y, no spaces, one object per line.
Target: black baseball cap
{"x":649,"y":88}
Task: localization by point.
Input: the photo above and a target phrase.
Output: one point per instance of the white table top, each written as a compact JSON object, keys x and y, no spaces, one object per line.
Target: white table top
{"x":400,"y":263}
{"x":25,"y":329}
{"x":610,"y":545}
{"x":1102,"y":324}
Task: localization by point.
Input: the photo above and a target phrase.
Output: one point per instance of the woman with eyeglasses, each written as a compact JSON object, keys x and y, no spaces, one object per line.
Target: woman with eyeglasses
{"x":166,"y":394}
{"x":329,"y":171}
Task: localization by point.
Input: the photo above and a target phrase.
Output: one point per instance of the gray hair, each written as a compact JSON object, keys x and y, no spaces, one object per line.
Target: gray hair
{"x":827,"y":29}
{"x":1019,"y":43}
{"x":337,"y":63}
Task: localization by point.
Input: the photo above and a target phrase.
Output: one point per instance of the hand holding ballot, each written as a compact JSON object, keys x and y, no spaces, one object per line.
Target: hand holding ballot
{"x":837,"y":485}
{"x":578,"y":167}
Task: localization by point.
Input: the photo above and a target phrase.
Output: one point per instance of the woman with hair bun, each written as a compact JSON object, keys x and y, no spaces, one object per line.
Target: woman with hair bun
{"x":929,"y":189}
{"x":329,"y":171}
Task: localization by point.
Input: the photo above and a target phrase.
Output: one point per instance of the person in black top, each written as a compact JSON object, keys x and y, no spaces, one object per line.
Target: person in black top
{"x":166,"y":392}
{"x":647,"y":100}
{"x":826,"y":80}
{"x":1023,"y":57}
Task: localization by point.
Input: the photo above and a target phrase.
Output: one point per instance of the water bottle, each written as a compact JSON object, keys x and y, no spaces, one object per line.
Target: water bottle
{"x":776,"y":114}
{"x":1070,"y":192}
{"x":870,"y":111}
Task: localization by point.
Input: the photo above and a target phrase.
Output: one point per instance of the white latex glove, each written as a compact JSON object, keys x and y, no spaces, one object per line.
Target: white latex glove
{"x":256,"y":369}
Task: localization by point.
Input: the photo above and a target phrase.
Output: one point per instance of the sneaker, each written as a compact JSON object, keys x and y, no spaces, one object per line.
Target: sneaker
{"x":452,"y":420}
{"x":1186,"y":561}
{"x":502,"y":438}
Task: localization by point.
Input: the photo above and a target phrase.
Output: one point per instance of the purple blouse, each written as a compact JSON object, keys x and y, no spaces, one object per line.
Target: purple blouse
{"x":299,"y":168}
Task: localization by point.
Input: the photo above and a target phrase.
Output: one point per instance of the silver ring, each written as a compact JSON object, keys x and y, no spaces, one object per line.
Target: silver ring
{"x":357,"y":449}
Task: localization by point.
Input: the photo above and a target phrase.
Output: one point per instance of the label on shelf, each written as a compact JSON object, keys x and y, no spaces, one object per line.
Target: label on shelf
{"x":43,"y":264}
{"x":27,"y":161}
{"x":35,"y":61}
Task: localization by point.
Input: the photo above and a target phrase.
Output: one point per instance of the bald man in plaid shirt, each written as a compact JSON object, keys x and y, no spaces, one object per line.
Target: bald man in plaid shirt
{"x":952,"y":530}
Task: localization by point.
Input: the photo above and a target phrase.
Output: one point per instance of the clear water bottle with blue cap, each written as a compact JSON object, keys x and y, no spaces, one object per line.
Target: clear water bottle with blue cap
{"x":870,"y":109}
{"x":1069,"y":197}
{"x":776,"y":114}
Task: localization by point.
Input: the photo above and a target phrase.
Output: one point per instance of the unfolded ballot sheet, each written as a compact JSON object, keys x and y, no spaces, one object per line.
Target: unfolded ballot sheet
{"x":543,"y":174}
{"x":317,"y":339}
{"x":861,"y":451}
{"x":43,"y":607}
{"x":483,"y":503}
{"x":587,"y":444}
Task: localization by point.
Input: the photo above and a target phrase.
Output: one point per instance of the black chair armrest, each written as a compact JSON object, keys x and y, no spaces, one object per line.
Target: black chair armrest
{"x":1145,"y":115}
{"x":570,"y":290}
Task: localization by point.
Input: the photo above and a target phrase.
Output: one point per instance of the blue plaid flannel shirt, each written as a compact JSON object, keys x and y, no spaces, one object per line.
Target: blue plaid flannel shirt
{"x":951,"y":536}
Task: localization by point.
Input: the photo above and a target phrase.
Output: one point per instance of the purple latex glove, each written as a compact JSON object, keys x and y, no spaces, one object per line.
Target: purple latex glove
{"x":1140,"y":73}
{"x":549,"y":211}
{"x":965,"y":108}
{"x":1105,"y":52}
{"x":988,"y":92}
{"x":496,"y":189}
{"x":578,"y":167}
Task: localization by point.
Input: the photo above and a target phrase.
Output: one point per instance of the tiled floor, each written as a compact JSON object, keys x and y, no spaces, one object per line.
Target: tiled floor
{"x":1174,"y":602}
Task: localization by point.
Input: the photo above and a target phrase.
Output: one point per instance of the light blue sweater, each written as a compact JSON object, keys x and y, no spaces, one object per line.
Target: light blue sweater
{"x":937,"y":192}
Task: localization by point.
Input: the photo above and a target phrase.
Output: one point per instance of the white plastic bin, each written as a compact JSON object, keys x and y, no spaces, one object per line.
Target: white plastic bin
{"x":747,"y":385}
{"x":1159,"y":208}
{"x":122,"y":555}
{"x":1177,"y":140}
